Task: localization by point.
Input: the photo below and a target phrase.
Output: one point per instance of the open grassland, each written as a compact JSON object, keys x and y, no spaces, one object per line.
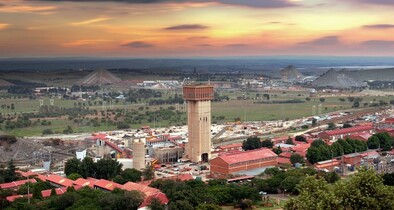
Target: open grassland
{"x":248,"y":109}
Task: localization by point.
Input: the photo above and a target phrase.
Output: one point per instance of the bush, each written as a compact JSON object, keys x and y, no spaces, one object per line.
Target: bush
{"x":47,"y":131}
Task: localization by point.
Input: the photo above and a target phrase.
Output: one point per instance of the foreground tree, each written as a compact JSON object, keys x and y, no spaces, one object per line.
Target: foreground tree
{"x":296,"y":158}
{"x":365,"y":190}
{"x":251,"y":143}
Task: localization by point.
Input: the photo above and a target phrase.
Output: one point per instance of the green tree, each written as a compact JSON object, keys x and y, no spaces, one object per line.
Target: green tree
{"x":156,"y":205}
{"x":148,"y":173}
{"x":322,"y":100}
{"x":290,"y":141}
{"x":296,"y":158}
{"x":300,"y":138}
{"x":331,"y":177}
{"x":87,"y":167}
{"x":9,"y":173}
{"x":180,"y":205}
{"x":331,"y":126}
{"x":346,"y":125}
{"x":267,"y":143}
{"x":204,"y":206}
{"x":251,"y":143}
{"x":107,"y":168}
{"x":47,"y":131}
{"x":72,"y":166}
{"x":277,"y":150}
{"x":388,"y":179}
{"x":74,"y":176}
{"x":373,"y":142}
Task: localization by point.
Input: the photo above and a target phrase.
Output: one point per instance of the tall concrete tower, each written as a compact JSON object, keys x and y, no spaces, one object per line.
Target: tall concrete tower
{"x":138,"y":154}
{"x":198,"y":98}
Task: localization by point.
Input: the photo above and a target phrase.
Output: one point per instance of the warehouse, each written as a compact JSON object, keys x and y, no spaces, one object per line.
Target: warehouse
{"x":242,"y":162}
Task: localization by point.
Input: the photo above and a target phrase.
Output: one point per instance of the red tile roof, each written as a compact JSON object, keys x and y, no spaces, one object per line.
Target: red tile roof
{"x":26,"y":174}
{"x":248,"y":155}
{"x":348,"y":130}
{"x":230,"y":146}
{"x":16,"y":183}
{"x":301,"y":147}
{"x":59,"y":180}
{"x":84,"y":182}
{"x":285,"y":154}
{"x":59,"y":191}
{"x":12,"y":198}
{"x":180,"y":177}
{"x":282,"y":160}
{"x":107,"y":185}
{"x":148,"y":191}
{"x":160,"y":196}
{"x":389,"y":120}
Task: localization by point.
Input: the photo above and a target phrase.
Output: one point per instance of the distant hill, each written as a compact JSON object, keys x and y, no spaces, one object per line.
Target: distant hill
{"x":4,"y":83}
{"x":100,"y":77}
{"x":291,"y":73}
{"x":355,"y":78}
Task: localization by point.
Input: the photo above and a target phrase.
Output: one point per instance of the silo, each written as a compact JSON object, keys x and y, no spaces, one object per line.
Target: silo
{"x":138,"y":154}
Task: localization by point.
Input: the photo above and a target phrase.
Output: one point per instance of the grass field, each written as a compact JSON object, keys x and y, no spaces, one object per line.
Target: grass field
{"x":246,"y":110}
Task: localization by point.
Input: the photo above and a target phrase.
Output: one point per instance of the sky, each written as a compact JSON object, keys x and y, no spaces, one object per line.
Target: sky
{"x":196,"y":28}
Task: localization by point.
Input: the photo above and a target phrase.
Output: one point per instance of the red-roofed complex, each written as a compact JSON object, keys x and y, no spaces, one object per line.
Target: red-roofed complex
{"x":59,"y":191}
{"x":59,"y":181}
{"x":12,"y":198}
{"x":16,"y":184}
{"x":333,"y":135}
{"x":226,"y":148}
{"x":85,"y":182}
{"x":225,"y":165}
{"x":106,"y":185}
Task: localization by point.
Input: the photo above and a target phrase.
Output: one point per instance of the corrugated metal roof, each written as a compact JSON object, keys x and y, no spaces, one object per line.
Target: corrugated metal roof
{"x":248,"y":155}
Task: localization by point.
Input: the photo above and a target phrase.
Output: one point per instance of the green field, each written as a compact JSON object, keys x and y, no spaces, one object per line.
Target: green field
{"x":245,"y":110}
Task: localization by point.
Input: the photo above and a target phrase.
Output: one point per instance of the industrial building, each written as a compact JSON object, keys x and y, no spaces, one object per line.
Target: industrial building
{"x":243,"y":162}
{"x":198,"y":98}
{"x":333,"y":135}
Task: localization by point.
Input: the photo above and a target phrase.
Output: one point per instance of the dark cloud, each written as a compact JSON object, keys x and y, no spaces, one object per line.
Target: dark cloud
{"x":378,"y":43}
{"x":383,"y":2}
{"x":237,"y":45}
{"x":197,"y":37}
{"x":248,"y":3}
{"x":2,"y":5}
{"x":379,"y":26}
{"x":187,"y":27}
{"x":203,"y":45}
{"x":327,"y":40}
{"x":137,"y":44}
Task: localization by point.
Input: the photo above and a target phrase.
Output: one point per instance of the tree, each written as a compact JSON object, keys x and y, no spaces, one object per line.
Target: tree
{"x":322,"y":100}
{"x":132,"y":175}
{"x":156,"y":205}
{"x":87,"y":168}
{"x":300,"y":138}
{"x":296,"y":158}
{"x":148,"y":173}
{"x":9,"y":173}
{"x":47,"y":131}
{"x":205,"y":206}
{"x":388,"y":179}
{"x":107,"y":168}
{"x":385,"y":141}
{"x":74,"y":176}
{"x":331,"y":126}
{"x":356,"y":104}
{"x":72,"y":166}
{"x":314,"y":122}
{"x":331,"y":177}
{"x":267,"y":143}
{"x":53,"y":192}
{"x":277,"y":150}
{"x":289,"y":141}
{"x":346,"y":125}
{"x":180,"y":205}
{"x":364,"y":190}
{"x":373,"y":142}
{"x":251,"y":143}
{"x":68,"y":130}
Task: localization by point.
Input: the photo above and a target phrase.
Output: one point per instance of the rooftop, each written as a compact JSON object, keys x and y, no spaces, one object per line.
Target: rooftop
{"x":348,"y":130}
{"x":248,"y":155}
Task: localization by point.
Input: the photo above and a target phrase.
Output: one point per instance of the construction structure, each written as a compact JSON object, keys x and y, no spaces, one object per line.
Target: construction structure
{"x":138,"y":154}
{"x":198,"y":98}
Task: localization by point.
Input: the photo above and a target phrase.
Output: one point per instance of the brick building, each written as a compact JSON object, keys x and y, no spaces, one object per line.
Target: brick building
{"x":333,"y":135}
{"x":227,"y":164}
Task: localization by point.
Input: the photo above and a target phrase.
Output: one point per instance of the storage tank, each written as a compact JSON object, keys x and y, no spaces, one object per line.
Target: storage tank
{"x":138,"y":154}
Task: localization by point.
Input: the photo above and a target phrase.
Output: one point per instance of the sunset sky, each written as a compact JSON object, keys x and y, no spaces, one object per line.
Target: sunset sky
{"x":203,"y":28}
